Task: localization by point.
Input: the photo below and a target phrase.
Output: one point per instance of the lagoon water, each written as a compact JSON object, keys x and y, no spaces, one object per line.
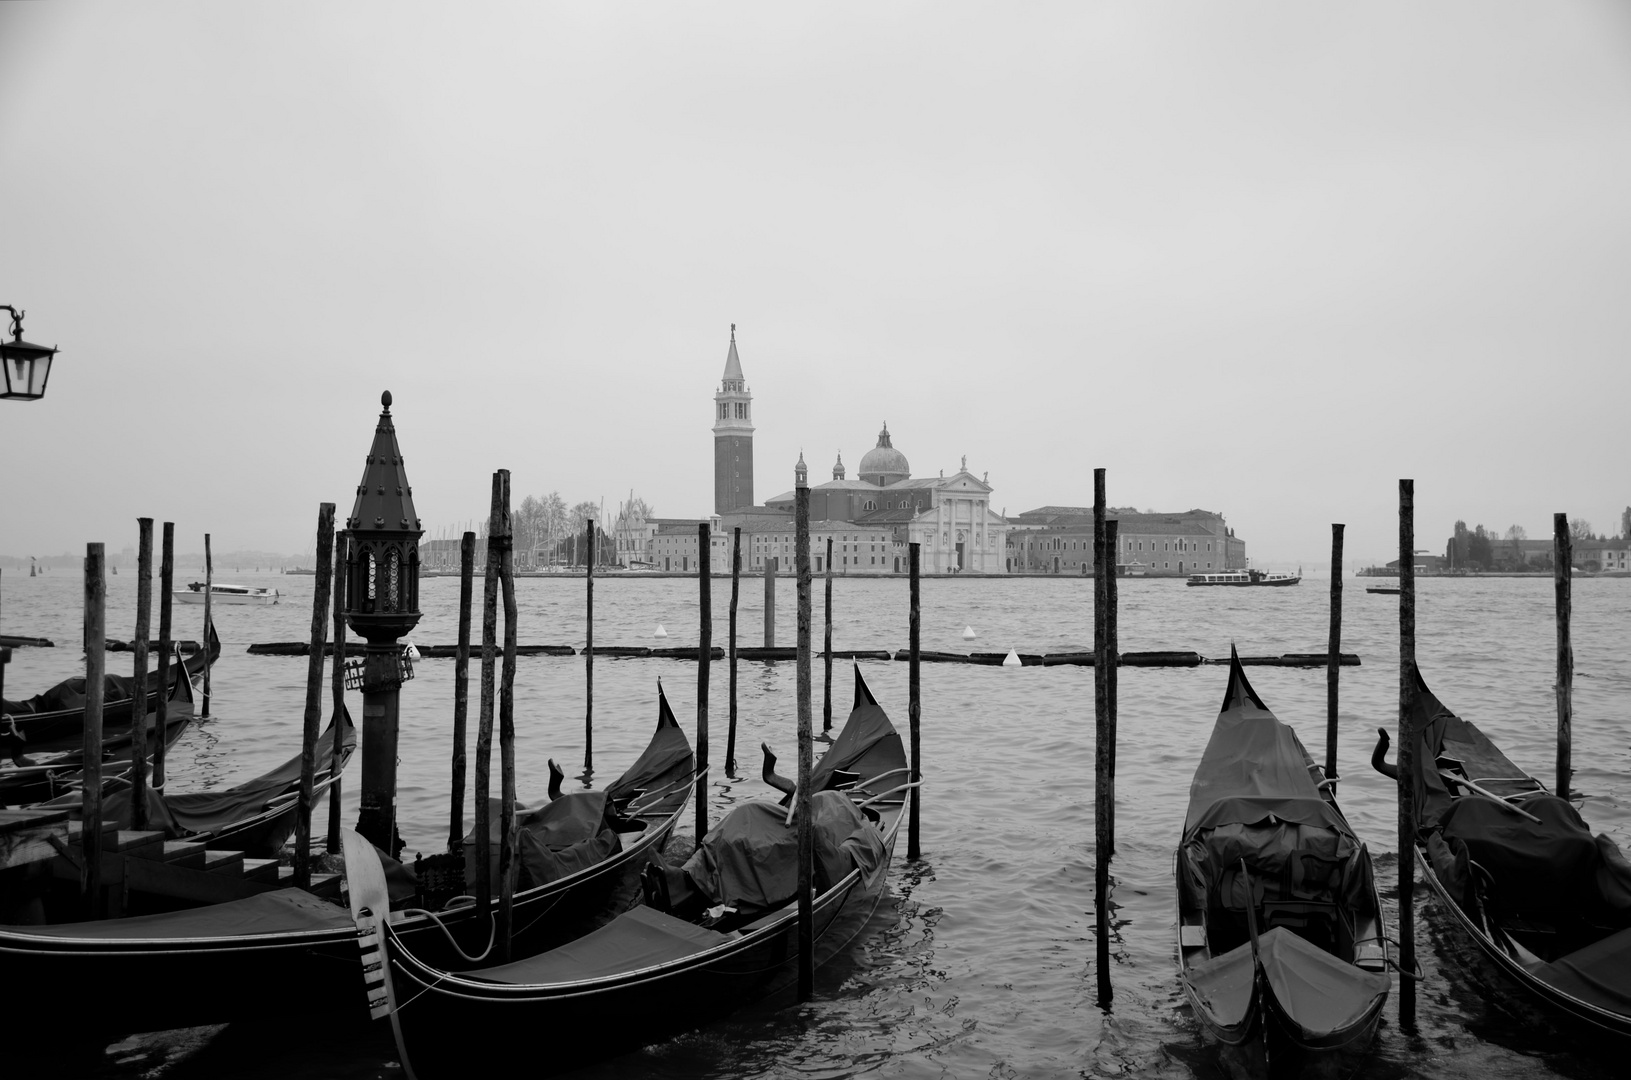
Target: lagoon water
{"x":980,"y":961}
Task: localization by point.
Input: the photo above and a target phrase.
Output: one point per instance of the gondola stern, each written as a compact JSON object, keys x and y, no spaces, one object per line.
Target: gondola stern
{"x":370,"y":901}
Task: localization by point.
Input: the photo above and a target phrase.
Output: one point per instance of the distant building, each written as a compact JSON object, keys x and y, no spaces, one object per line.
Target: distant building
{"x":1059,"y":540}
{"x":733,"y":437}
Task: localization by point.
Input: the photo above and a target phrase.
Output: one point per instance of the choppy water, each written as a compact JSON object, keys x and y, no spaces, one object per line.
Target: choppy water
{"x":981,"y":964}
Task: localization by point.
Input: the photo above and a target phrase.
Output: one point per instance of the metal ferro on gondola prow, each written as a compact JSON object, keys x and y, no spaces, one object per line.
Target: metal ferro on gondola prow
{"x":381,"y":606}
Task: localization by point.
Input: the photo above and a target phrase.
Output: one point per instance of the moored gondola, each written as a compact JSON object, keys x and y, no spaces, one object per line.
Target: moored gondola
{"x":1280,"y":938}
{"x":714,"y":934}
{"x":1519,"y":870}
{"x":273,"y":951}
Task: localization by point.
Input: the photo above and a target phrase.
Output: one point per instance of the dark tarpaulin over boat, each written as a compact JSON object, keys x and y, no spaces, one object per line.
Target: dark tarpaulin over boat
{"x":1318,"y":992}
{"x":749,"y":861}
{"x":641,"y":937}
{"x":69,"y":694}
{"x":562,"y":836}
{"x":209,"y":811}
{"x":275,"y":912}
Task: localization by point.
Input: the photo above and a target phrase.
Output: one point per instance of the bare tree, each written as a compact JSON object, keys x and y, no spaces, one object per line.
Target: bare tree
{"x":1579,"y":529}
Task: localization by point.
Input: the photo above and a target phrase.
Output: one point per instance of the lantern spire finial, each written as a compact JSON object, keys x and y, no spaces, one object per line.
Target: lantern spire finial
{"x":385,"y":400}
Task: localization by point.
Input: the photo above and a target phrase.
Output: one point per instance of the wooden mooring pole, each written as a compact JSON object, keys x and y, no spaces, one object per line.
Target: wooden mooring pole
{"x":826,"y":649}
{"x":506,"y":714}
{"x":204,"y":638}
{"x":138,"y":685}
{"x":1407,"y":753}
{"x":705,"y":648}
{"x":1103,"y":839}
{"x":914,"y":700}
{"x":461,"y":691}
{"x":770,"y":602}
{"x":589,"y":659}
{"x":314,"y":692}
{"x":90,"y":800}
{"x":484,"y":724}
{"x":1112,"y":667}
{"x":806,"y":747}
{"x":1562,"y":580}
{"x":336,"y":684}
{"x":736,"y":581}
{"x":167,"y":581}
{"x":1333,"y":663}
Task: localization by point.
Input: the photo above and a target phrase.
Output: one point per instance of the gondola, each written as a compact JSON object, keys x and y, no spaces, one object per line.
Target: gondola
{"x":256,"y":817}
{"x":281,"y":952}
{"x":718,"y":932}
{"x":54,"y":721}
{"x":1280,"y":938}
{"x":30,"y":776}
{"x":1519,"y":870}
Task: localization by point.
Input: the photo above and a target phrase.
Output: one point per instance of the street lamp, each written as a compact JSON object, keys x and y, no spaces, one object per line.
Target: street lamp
{"x":26,"y":366}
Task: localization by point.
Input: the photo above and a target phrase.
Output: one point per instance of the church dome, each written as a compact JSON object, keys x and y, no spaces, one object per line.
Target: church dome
{"x":883,"y":464}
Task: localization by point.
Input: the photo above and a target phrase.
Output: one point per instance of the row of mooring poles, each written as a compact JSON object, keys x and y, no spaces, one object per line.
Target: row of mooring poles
{"x":736,"y":581}
{"x":336,"y":690}
{"x":1103,"y":829}
{"x":826,"y":650}
{"x":1407,"y":752}
{"x":314,"y":689}
{"x":589,"y":658}
{"x":801,"y":796}
{"x":461,"y":690}
{"x":705,"y":650}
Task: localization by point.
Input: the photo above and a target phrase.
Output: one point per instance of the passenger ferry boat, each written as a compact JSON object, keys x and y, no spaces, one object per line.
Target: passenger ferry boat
{"x":1244,"y":577}
{"x":218,"y":593}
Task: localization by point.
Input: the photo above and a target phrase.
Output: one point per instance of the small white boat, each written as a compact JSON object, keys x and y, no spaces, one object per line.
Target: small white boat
{"x":220,"y":593}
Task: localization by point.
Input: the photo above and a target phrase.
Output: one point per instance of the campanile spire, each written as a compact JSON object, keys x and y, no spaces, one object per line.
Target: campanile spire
{"x":733,"y":436}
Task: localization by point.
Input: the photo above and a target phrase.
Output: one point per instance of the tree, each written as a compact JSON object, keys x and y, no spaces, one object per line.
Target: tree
{"x":1579,"y":529}
{"x":1625,"y":523}
{"x":1480,"y":552}
{"x":1515,"y":536}
{"x":1458,"y":552}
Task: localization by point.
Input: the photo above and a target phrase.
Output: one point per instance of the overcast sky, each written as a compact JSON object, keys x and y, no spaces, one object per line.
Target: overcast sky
{"x":1263,"y":259}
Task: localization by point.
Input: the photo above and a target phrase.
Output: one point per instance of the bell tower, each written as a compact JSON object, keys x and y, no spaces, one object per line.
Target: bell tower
{"x":733,"y":437}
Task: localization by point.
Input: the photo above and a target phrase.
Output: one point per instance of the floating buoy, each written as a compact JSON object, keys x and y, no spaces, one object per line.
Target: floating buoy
{"x":660,"y":632}
{"x":1011,"y":660}
{"x":969,"y":634}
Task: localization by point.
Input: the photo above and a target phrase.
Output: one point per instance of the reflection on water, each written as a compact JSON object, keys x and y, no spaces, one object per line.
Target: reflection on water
{"x":981,"y":960}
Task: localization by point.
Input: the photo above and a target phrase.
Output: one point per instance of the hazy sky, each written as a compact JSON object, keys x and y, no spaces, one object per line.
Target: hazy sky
{"x":1263,"y":259}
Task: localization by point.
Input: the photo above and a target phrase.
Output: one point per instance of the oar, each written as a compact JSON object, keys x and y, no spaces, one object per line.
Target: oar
{"x":1486,"y":793}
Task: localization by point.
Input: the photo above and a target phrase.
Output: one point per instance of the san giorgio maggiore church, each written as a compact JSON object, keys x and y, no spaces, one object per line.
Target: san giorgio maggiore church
{"x":870,"y":518}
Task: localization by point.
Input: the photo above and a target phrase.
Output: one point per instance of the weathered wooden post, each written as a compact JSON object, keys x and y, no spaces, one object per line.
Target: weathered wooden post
{"x":589,"y":660}
{"x":204,"y":638}
{"x":484,"y":723}
{"x":1407,"y":752}
{"x":90,"y":799}
{"x":337,"y":691}
{"x":138,"y":684}
{"x":705,"y":651}
{"x":461,"y":691}
{"x":826,"y":649}
{"x":314,"y":691}
{"x":1562,"y":580}
{"x":506,"y":721}
{"x":914,"y":701}
{"x":770,"y":602}
{"x":1333,"y":659}
{"x":806,"y":834}
{"x":1103,"y":839}
{"x":736,"y":581}
{"x":382,"y":606}
{"x":1112,"y":668}
{"x":167,"y":581}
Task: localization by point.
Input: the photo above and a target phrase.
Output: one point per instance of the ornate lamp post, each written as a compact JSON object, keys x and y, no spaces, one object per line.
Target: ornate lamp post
{"x":381,"y":605}
{"x":26,"y":366}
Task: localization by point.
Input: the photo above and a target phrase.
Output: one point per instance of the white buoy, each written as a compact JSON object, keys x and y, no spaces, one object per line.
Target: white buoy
{"x":969,"y":634}
{"x":1011,"y":660}
{"x":660,"y":632}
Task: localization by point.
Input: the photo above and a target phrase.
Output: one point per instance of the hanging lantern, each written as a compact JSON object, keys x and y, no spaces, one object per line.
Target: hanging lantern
{"x":26,"y":366}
